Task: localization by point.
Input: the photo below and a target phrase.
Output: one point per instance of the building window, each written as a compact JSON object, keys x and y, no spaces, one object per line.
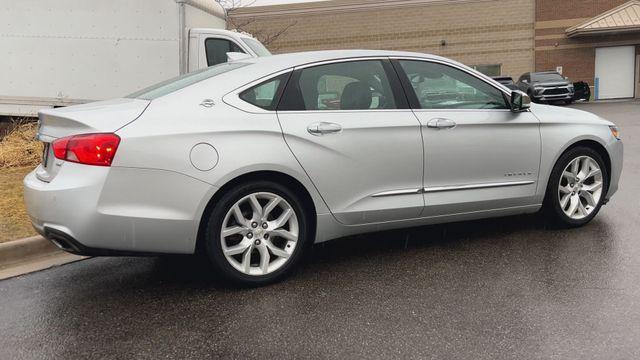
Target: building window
{"x":489,"y":70}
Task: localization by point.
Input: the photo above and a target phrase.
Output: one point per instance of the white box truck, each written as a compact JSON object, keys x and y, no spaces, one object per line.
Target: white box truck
{"x":65,"y":52}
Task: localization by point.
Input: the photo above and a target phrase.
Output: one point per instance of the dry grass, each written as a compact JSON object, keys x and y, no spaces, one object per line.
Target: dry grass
{"x":14,"y":222}
{"x":19,"y":148}
{"x":19,"y":154}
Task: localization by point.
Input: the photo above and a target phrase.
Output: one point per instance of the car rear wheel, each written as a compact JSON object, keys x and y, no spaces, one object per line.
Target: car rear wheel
{"x":257,"y":233}
{"x":577,"y":187}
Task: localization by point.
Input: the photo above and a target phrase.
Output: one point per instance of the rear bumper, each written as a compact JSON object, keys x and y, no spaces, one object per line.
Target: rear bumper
{"x":93,"y":210}
{"x":69,"y":244}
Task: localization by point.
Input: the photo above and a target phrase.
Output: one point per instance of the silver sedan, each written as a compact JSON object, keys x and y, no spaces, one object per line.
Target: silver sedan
{"x":254,"y":160}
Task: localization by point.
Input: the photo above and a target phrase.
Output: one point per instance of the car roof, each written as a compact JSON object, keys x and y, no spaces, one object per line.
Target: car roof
{"x":301,"y":58}
{"x":268,"y":65}
{"x":263,"y":68}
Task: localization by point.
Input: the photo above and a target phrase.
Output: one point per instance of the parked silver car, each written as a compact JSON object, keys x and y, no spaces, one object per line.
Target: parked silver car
{"x":254,"y":160}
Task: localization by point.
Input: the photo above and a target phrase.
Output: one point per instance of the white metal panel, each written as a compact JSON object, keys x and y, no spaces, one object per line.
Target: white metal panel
{"x":615,"y":72}
{"x":196,"y":18}
{"x":85,"y":69}
{"x":113,"y":19}
{"x":86,"y":50}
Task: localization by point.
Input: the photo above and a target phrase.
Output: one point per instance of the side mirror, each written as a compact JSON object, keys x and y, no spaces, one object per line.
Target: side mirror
{"x":520,"y":101}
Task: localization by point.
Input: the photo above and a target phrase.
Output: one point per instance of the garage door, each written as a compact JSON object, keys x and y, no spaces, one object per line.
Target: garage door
{"x":615,"y":72}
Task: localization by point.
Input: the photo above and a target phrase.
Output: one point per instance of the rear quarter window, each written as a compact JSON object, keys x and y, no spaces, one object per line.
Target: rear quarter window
{"x":265,"y":95}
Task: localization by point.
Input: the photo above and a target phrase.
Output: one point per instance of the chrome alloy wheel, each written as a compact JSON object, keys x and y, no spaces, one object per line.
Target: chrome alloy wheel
{"x":580,"y":187}
{"x":259,"y":233}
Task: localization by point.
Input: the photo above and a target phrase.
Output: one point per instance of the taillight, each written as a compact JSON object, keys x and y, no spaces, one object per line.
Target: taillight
{"x":89,"y":149}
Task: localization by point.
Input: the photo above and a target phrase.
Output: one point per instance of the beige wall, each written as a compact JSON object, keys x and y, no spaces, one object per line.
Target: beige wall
{"x":477,"y":32}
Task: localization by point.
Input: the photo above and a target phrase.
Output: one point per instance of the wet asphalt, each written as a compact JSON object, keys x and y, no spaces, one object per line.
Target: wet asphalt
{"x":492,"y":289}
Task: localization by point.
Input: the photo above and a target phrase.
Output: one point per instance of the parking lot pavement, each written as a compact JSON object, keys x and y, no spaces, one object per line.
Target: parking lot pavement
{"x":499,"y":288}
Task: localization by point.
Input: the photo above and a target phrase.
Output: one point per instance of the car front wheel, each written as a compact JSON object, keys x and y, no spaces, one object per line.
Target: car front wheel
{"x":577,"y":187}
{"x":257,"y":233}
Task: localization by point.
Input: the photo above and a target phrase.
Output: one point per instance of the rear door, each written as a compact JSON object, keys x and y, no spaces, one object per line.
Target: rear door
{"x":349,"y":126}
{"x":478,"y":154}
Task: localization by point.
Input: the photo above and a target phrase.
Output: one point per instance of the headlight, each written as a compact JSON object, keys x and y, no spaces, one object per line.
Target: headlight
{"x":615,"y":132}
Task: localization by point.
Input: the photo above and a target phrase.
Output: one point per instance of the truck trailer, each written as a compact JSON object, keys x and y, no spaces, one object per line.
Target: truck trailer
{"x":66,"y":52}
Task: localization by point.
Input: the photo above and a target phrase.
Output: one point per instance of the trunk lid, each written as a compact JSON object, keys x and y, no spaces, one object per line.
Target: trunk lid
{"x":101,"y":116}
{"x":96,"y":117}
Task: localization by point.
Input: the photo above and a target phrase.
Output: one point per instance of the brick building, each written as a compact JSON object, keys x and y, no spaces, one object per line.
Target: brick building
{"x":592,"y":40}
{"x":498,"y":37}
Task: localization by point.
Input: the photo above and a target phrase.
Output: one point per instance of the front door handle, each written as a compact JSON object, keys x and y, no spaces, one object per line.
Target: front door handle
{"x":323,"y":128}
{"x":441,"y":123}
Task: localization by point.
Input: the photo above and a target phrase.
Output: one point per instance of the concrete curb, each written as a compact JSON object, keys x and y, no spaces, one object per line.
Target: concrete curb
{"x":16,"y":251}
{"x":35,"y":253}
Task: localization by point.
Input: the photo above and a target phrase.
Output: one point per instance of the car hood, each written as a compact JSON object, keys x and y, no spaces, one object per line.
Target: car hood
{"x":101,"y":116}
{"x":558,"y":114}
{"x":550,"y":83}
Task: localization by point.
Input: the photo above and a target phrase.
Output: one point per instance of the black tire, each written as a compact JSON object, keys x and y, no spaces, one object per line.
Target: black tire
{"x":568,"y":102}
{"x":213,"y":244}
{"x":552,"y":208}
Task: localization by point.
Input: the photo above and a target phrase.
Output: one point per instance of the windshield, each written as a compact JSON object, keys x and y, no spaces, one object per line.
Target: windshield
{"x":545,"y":77}
{"x":182,"y":81}
{"x":256,"y":46}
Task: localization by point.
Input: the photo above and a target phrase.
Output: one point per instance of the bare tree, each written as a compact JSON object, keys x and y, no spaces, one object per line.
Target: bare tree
{"x":251,"y":25}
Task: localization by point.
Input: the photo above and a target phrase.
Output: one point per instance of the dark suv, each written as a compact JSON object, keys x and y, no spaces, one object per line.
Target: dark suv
{"x":546,"y":86}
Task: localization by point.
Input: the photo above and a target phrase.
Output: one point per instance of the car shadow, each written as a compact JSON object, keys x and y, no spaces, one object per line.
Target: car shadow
{"x":378,"y":251}
{"x":195,"y":271}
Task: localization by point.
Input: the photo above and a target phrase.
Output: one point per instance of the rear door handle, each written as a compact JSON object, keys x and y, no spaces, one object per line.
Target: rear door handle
{"x":324,"y":128}
{"x":441,"y":123}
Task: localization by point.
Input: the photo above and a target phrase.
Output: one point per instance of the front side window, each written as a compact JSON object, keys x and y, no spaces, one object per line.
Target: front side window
{"x":439,"y":86}
{"x":354,"y":85}
{"x":265,"y":95}
{"x":217,"y":49}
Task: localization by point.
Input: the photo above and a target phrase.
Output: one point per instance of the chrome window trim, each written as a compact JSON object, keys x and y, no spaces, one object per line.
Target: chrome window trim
{"x":460,"y":110}
{"x":476,"y":186}
{"x":343,"y":111}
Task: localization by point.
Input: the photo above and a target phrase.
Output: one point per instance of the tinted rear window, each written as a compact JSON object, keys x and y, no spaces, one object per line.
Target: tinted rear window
{"x":182,"y":81}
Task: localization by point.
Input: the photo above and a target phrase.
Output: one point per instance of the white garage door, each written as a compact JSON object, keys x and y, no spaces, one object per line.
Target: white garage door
{"x":615,"y":72}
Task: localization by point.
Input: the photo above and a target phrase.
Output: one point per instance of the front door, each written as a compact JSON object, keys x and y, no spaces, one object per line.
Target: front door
{"x":350,"y":128}
{"x":478,"y":154}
